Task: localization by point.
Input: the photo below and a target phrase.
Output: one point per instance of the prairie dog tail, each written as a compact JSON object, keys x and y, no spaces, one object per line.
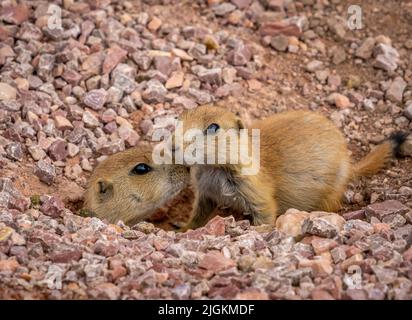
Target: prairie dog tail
{"x":379,"y":156}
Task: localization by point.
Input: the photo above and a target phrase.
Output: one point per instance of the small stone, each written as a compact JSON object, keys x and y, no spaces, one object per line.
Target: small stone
{"x":113,"y":57}
{"x":46,"y":172}
{"x":366,"y":49}
{"x":145,"y":227}
{"x":384,"y":275}
{"x":90,"y":120}
{"x":111,"y":147}
{"x":388,"y":207}
{"x":184,"y":102}
{"x":291,"y":222}
{"x":128,"y":135}
{"x":86,"y":166}
{"x":211,"y":42}
{"x":14,"y":151}
{"x":72,"y":150}
{"x":5,"y":233}
{"x":323,"y":245}
{"x":65,"y":256}
{"x":106,"y":291}
{"x":396,"y":89}
{"x":95,"y":99}
{"x":338,"y":254}
{"x":15,"y":14}
{"x":320,"y":266}
{"x":229,"y":75}
{"x":175,"y":80}
{"x":62,"y":123}
{"x":36,"y":152}
{"x":339,"y":100}
{"x":252,"y":294}
{"x":58,"y":150}
{"x":155,"y":92}
{"x":181,"y":54}
{"x":215,"y":262}
{"x":239,"y":56}
{"x":9,"y":265}
{"x":323,"y":224}
{"x":7,"y":92}
{"x":356,"y":259}
{"x":211,"y":76}
{"x":359,"y":214}
{"x":154,"y":24}
{"x":338,"y":55}
{"x":318,"y":294}
{"x":387,"y":57}
{"x":105,"y":248}
{"x":289,"y":27}
{"x":223,"y":9}
{"x":52,"y":207}
{"x":314,"y":66}
{"x":279,"y":42}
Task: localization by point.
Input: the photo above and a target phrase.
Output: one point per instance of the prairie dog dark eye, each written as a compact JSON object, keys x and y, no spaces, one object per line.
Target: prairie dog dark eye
{"x":212,"y":128}
{"x":141,"y":168}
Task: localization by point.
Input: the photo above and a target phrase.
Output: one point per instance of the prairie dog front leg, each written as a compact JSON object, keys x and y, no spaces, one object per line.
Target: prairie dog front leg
{"x":202,"y":210}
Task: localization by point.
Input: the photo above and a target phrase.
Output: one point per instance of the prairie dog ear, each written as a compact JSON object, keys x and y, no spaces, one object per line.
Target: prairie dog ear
{"x":104,"y":189}
{"x":240,"y":124}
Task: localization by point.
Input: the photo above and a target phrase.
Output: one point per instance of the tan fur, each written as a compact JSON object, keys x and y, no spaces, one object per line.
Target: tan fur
{"x":304,"y":162}
{"x":132,"y":198}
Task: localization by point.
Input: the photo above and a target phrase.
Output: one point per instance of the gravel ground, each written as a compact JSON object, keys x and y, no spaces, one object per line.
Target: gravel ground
{"x":117,"y":70}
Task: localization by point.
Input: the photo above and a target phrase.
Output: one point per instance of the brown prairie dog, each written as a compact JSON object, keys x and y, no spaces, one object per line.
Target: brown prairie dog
{"x":304,"y":164}
{"x":128,"y":186}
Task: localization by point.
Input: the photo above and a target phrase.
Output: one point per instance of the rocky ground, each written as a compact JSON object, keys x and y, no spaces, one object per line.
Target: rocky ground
{"x":117,"y":70}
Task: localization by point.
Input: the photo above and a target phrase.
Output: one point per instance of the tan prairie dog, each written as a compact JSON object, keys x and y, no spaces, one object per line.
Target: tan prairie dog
{"x":304,"y":164}
{"x":129,"y":186}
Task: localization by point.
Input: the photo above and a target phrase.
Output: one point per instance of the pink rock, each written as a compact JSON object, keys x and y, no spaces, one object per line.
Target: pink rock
{"x":58,"y":150}
{"x":114,"y":56}
{"x":62,"y":123}
{"x":71,"y":76}
{"x":321,"y":245}
{"x":291,"y":222}
{"x":9,"y":265}
{"x":241,"y":4}
{"x":105,"y":248}
{"x":45,"y":171}
{"x":382,"y":209}
{"x":95,"y":99}
{"x":319,"y":294}
{"x":288,"y":27}
{"x":15,"y":14}
{"x":240,"y":55}
{"x":216,"y":226}
{"x":320,"y":266}
{"x":106,"y":290}
{"x":109,"y":115}
{"x":184,"y":102}
{"x":215,"y":261}
{"x":15,"y":151}
{"x":252,"y":294}
{"x":359,"y":214}
{"x":52,"y":207}
{"x":111,"y":147}
{"x":66,"y":256}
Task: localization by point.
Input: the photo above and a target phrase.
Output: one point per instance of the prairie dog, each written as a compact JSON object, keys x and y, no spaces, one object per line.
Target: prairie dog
{"x":304,"y":164}
{"x":128,"y":186}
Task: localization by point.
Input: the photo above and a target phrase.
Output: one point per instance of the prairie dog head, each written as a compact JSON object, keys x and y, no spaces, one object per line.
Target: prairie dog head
{"x":210,"y":125}
{"x":129,"y":186}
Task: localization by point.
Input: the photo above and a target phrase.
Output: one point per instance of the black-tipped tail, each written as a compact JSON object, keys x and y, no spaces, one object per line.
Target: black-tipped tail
{"x":397,"y":139}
